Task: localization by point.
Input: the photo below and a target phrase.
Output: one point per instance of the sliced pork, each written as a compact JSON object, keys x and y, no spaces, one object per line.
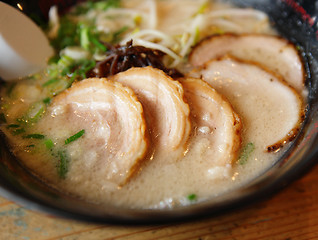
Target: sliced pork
{"x":167,"y":114}
{"x":275,"y":53}
{"x":213,"y":121}
{"x":114,"y":143}
{"x":271,"y":111}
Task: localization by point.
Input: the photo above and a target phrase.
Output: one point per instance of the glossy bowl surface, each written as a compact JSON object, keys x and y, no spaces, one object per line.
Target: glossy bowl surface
{"x":297,"y":21}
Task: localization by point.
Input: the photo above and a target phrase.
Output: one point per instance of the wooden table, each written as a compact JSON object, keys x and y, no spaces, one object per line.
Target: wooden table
{"x":292,"y":214}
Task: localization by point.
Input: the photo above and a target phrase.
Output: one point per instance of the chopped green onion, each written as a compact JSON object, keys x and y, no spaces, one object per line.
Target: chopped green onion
{"x":245,"y":153}
{"x":13,"y":126}
{"x":65,"y":61}
{"x":102,"y":5}
{"x":192,"y":197}
{"x":98,"y":44}
{"x":74,"y":137}
{"x":63,"y":164}
{"x":62,"y":84}
{"x":47,"y":100}
{"x":34,"y":136}
{"x":85,"y":38}
{"x":84,"y":67}
{"x":18,"y":131}
{"x":49,"y":82}
{"x":49,"y":144}
{"x":35,"y":111}
{"x":66,"y":34}
{"x":53,"y":70}
{"x":54,"y":59}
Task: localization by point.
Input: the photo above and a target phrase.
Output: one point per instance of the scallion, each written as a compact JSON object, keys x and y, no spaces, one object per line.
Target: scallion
{"x":49,"y":82}
{"x":18,"y":131}
{"x":47,"y":100}
{"x":49,"y":143}
{"x":84,"y":38}
{"x":192,"y":197}
{"x":13,"y":126}
{"x":63,"y":163}
{"x":245,"y":153}
{"x":35,"y":111}
{"x":34,"y":136}
{"x":74,"y":137}
{"x":98,"y":44}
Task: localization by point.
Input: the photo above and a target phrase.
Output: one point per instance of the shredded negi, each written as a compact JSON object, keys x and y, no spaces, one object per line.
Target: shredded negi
{"x":74,"y":137}
{"x":63,"y":163}
{"x":245,"y":153}
{"x":192,"y":197}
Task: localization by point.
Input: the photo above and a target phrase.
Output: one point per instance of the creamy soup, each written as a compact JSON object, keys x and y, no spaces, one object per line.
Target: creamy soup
{"x":156,"y":104}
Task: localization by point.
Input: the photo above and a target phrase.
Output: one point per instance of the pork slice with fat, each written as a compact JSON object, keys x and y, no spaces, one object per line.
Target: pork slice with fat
{"x":114,"y":143}
{"x":275,"y":53}
{"x":167,"y":114}
{"x":271,"y":111}
{"x":215,"y":122}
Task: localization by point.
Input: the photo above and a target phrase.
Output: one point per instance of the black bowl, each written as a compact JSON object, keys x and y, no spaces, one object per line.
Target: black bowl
{"x":294,"y":20}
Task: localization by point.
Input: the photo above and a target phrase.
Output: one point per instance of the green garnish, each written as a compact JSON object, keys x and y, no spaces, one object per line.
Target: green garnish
{"x":63,"y":163}
{"x":13,"y":126}
{"x":74,"y":137}
{"x":82,"y":67}
{"x":90,"y":39}
{"x":18,"y":131}
{"x":49,"y":82}
{"x":102,"y":5}
{"x":192,"y":197}
{"x":47,"y":100}
{"x":62,"y":84}
{"x":34,"y":136}
{"x":35,"y":111}
{"x":98,"y":44}
{"x":49,"y":143}
{"x":245,"y":153}
{"x":66,"y":34}
{"x":84,"y":38}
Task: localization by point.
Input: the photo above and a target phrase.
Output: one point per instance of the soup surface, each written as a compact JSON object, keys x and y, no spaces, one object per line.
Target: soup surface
{"x":156,"y":104}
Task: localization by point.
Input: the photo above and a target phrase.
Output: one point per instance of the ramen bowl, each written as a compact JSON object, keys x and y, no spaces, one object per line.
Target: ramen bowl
{"x":293,"y":21}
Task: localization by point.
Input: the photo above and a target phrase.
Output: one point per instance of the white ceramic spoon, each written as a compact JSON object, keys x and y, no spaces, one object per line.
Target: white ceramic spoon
{"x":24,"y":49}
